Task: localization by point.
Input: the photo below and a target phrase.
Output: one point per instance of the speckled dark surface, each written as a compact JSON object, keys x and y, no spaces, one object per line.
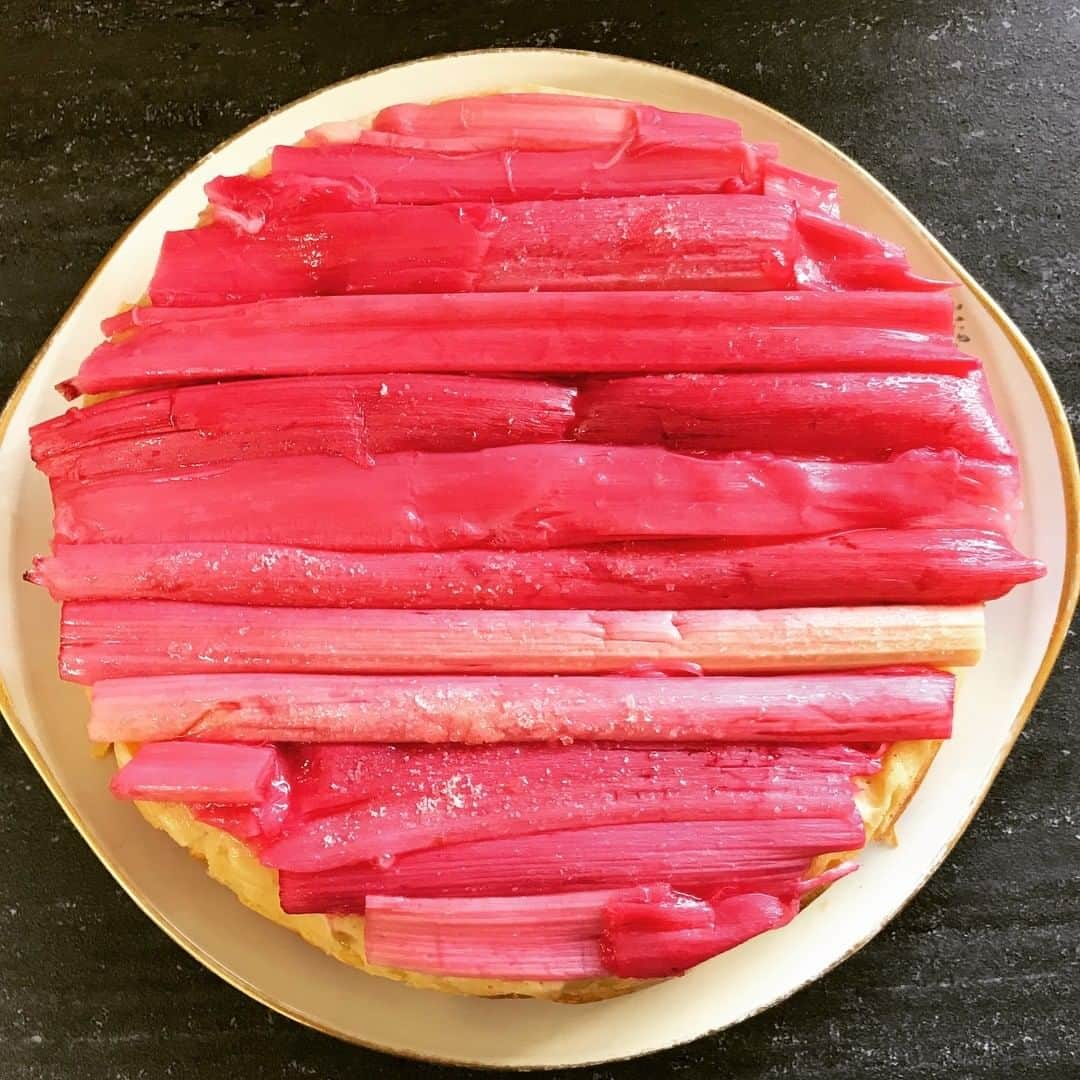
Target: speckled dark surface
{"x":969,"y":112}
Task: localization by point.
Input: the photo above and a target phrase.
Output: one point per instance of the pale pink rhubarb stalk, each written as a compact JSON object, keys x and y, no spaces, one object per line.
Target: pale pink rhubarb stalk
{"x":549,"y":122}
{"x":438,"y":797}
{"x":700,"y":857}
{"x":489,"y":937}
{"x":558,"y":333}
{"x":105,"y":639}
{"x":197,"y":772}
{"x":731,"y":242}
{"x":532,"y":496}
{"x":841,"y":415}
{"x":490,"y":709}
{"x":349,"y":417}
{"x":870,"y":566}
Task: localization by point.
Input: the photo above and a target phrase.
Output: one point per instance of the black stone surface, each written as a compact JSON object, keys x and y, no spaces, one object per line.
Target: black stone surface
{"x":968,"y":111}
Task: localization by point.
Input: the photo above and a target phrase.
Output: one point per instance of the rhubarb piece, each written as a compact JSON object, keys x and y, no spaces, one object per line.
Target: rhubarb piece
{"x":336,"y":178}
{"x":247,"y":202}
{"x":349,"y":417}
{"x":105,"y":639}
{"x":811,"y":192}
{"x":733,"y":242}
{"x":538,"y":937}
{"x":413,"y":799}
{"x":471,"y":709}
{"x":654,"y":932}
{"x":532,"y":496}
{"x":332,"y":776}
{"x":701,"y":857}
{"x":559,"y":333}
{"x":842,"y":415}
{"x":871,"y":566}
{"x":549,"y":122}
{"x":839,"y":255}
{"x":202,"y":772}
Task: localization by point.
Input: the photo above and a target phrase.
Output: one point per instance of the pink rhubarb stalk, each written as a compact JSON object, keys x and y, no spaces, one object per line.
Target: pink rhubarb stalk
{"x":871,"y":566}
{"x":532,"y":496}
{"x":437,"y":797}
{"x":202,"y":772}
{"x":551,"y":332}
{"x":869,"y":708}
{"x":842,"y":415}
{"x":349,"y":417}
{"x":699,"y":857}
{"x":549,"y":122}
{"x":489,"y":937}
{"x":106,"y":639}
{"x":811,"y":192}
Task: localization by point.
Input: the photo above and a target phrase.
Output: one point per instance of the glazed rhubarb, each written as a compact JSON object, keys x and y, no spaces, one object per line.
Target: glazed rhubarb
{"x":452,"y":797}
{"x":349,"y":417}
{"x":329,"y":178}
{"x":554,"y":333}
{"x":869,"y":566}
{"x":531,"y":496}
{"x":843,"y":415}
{"x":693,"y":856}
{"x":208,"y":772}
{"x":726,"y":243}
{"x":549,"y":122}
{"x":868,"y":708}
{"x":104,"y":639}
{"x":489,"y":937}
{"x":531,"y":524}
{"x":654,"y":932}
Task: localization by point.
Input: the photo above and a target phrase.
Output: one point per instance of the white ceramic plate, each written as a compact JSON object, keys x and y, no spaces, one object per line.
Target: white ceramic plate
{"x":275,"y":966}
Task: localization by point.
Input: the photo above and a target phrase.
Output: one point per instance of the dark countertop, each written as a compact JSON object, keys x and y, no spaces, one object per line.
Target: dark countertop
{"x":967,"y":111}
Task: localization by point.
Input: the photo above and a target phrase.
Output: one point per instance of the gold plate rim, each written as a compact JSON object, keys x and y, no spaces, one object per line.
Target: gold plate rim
{"x":1063,"y":445}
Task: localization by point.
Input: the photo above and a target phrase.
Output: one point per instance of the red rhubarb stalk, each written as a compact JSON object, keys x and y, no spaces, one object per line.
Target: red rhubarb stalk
{"x":699,"y":857}
{"x":652,"y":242}
{"x":653,"y":932}
{"x":432,"y":709}
{"x":349,"y":417}
{"x":532,"y":496}
{"x":871,"y":566}
{"x":336,"y":178}
{"x":197,"y":772}
{"x":559,"y":333}
{"x":453,"y":797}
{"x":842,"y":415}
{"x":105,"y":639}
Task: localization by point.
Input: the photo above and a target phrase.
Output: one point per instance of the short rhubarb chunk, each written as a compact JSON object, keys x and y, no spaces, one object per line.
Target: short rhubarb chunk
{"x":201,"y":772}
{"x":872,"y":708}
{"x":871,"y":566}
{"x":106,"y":639}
